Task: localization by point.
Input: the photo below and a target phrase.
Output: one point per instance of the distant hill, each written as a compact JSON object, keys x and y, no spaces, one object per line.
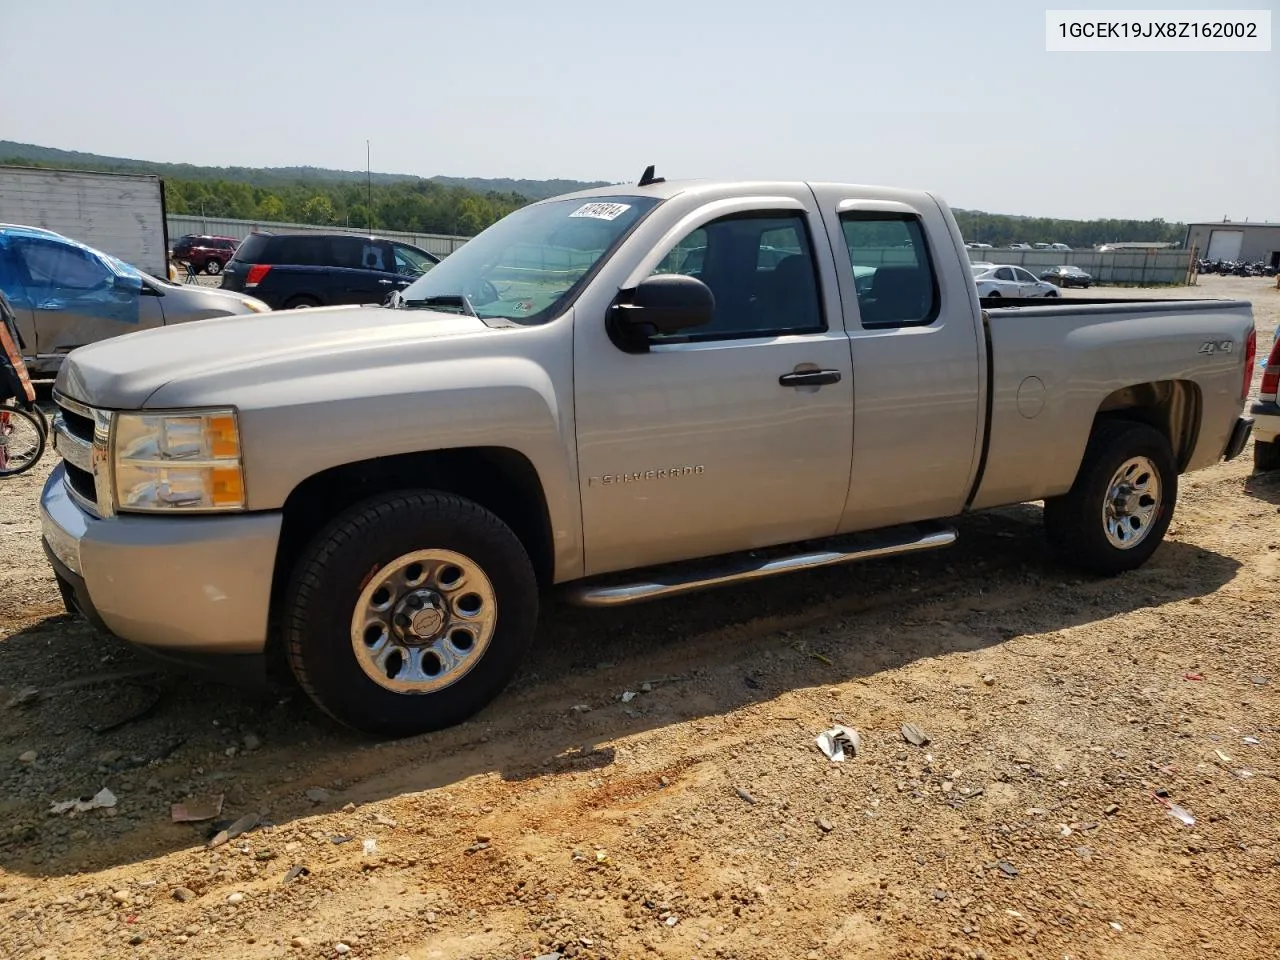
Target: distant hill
{"x":466,"y":205}
{"x":268,"y":177}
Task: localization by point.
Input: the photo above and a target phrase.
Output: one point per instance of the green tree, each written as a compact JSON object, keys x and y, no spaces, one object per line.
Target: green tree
{"x":319,"y":209}
{"x":271,"y":207}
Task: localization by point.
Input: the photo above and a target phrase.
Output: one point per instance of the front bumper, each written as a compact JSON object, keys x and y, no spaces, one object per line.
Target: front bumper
{"x":182,"y":585}
{"x":1266,"y":419}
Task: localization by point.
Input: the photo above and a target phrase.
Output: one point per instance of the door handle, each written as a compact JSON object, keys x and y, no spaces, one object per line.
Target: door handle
{"x":809,"y":378}
{"x":386,"y":281}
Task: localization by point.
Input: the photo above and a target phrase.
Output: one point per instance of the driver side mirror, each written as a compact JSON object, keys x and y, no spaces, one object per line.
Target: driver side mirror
{"x":662,"y":304}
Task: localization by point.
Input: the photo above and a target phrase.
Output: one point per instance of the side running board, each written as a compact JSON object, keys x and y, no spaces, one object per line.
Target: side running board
{"x":703,"y":575}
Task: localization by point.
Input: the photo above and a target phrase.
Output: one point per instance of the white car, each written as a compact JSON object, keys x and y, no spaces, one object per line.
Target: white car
{"x":995,"y":280}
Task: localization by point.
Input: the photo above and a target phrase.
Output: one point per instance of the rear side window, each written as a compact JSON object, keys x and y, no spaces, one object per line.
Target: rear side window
{"x":302,"y":251}
{"x":893,"y":272}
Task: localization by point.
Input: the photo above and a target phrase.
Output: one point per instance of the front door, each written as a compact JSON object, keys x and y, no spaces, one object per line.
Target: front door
{"x":707,"y":444}
{"x":76,"y":299}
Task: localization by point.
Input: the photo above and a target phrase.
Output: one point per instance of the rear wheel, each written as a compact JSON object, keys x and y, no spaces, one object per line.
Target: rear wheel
{"x":1117,"y":511}
{"x":1266,"y":456}
{"x":410,"y":612}
{"x":301,"y":302}
{"x":212,"y":267}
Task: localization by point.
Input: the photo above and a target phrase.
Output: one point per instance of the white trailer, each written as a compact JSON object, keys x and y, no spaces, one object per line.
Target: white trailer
{"x":122,"y":214}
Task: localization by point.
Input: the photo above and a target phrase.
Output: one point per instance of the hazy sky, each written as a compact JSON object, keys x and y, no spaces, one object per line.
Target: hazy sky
{"x":960,"y":97}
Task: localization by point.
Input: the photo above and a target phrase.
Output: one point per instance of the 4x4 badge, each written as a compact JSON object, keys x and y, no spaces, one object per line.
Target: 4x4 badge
{"x":1211,"y":347}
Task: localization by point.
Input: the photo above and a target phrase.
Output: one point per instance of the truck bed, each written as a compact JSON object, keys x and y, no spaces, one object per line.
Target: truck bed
{"x":1047,"y":381}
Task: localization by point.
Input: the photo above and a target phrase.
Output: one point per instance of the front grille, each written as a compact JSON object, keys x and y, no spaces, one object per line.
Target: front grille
{"x":80,"y":438}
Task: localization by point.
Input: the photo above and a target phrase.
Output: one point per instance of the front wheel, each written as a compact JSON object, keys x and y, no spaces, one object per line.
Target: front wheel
{"x":1117,"y":511}
{"x":1266,"y":456}
{"x":410,"y":612}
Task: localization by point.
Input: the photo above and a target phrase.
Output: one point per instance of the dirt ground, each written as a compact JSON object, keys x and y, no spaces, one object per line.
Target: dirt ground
{"x":699,"y":819}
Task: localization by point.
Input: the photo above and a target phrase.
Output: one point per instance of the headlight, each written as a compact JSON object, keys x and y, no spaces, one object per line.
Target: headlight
{"x":178,"y":461}
{"x":256,"y":305}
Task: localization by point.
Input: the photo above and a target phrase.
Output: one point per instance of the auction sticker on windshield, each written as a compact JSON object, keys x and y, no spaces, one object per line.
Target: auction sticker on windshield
{"x":601,"y":211}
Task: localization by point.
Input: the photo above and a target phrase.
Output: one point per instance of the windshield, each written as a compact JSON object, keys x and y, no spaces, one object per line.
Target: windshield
{"x":529,"y":263}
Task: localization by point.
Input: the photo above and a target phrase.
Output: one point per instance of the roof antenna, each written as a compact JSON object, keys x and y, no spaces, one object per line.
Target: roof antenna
{"x":647,"y":177}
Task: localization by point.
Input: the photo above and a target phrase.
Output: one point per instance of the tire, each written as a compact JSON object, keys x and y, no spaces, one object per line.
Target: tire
{"x":213,"y":267}
{"x":1266,"y":456}
{"x":1052,"y":295}
{"x":994,"y":295}
{"x":301,"y":302}
{"x":340,"y":583}
{"x":1077,"y":523}
{"x":22,"y":441}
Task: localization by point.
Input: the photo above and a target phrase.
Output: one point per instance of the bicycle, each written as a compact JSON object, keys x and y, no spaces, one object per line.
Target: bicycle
{"x":24,"y":431}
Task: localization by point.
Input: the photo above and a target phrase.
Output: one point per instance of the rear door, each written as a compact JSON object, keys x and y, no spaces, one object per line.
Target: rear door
{"x":363,"y":269}
{"x":917,"y":366}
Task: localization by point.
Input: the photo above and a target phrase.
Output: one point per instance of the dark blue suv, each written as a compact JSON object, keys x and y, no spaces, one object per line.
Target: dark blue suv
{"x":288,"y":270}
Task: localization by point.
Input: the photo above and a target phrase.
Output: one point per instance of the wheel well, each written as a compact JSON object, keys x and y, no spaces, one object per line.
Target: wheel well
{"x":497,"y":478}
{"x":1170,"y":406}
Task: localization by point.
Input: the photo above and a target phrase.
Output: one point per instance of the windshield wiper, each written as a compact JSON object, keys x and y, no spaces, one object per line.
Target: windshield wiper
{"x":444,"y":300}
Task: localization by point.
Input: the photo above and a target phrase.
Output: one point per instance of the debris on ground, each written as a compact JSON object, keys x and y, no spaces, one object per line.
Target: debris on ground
{"x":914,"y":735}
{"x":744,"y":795}
{"x":243,"y":825}
{"x":834,"y":742}
{"x":628,"y":696}
{"x":100,"y":800}
{"x":318,"y":795}
{"x":23,"y":698}
{"x":129,"y":712}
{"x":197,"y":810}
{"x":824,"y":825}
{"x":369,"y":847}
{"x":1181,"y":814}
{"x":294,"y":872}
{"x":28,"y":756}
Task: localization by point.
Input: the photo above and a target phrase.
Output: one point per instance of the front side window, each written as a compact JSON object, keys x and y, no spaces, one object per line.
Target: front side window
{"x":761,"y":271}
{"x":531,"y":263}
{"x":411,"y":262}
{"x":1004,"y":273}
{"x":1024,"y":275}
{"x":55,"y":265}
{"x":893,"y":272}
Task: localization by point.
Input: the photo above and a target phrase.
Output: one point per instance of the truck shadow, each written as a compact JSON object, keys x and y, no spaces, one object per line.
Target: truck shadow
{"x":1264,"y":486}
{"x":105,"y":717}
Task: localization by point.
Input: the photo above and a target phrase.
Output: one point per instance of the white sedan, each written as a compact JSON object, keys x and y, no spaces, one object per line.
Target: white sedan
{"x":996,"y":280}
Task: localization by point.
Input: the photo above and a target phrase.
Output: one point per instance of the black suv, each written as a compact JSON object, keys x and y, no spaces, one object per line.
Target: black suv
{"x":289,"y":270}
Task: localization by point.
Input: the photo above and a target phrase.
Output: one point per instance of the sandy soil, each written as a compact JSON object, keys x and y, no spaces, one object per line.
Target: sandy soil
{"x":699,"y":819}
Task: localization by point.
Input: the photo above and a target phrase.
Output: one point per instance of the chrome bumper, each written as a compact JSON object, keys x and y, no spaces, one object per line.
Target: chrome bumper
{"x":194,"y":584}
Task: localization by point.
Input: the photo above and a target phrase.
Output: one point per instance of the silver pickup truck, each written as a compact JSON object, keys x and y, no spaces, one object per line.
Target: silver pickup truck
{"x":627,"y":394}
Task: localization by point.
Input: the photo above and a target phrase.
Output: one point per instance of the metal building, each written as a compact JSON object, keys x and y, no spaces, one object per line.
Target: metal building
{"x":1231,"y":240}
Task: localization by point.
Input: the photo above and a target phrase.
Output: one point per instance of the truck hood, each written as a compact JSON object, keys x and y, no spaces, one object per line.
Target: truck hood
{"x":124,"y":372}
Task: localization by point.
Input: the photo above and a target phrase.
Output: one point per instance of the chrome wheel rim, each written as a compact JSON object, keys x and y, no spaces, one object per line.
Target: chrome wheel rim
{"x":423,"y":621}
{"x":1132,"y":503}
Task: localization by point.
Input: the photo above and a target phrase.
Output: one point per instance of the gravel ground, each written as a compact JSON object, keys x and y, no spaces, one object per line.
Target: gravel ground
{"x":699,"y":819}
